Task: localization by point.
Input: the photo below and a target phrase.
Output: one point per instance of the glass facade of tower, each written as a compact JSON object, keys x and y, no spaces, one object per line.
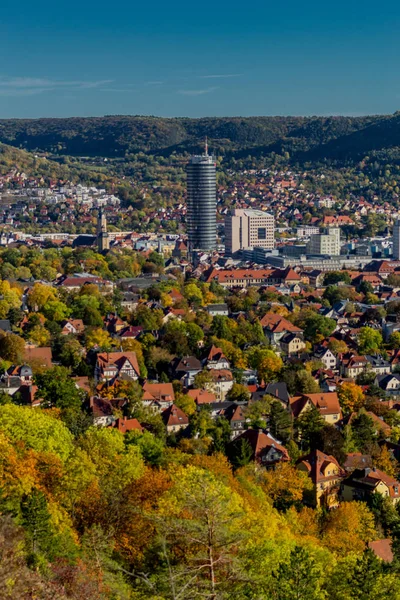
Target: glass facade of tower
{"x":202,"y":203}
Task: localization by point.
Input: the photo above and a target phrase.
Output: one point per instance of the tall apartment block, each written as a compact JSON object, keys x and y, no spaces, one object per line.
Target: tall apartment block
{"x":248,"y":229}
{"x":201,"y":203}
{"x":396,"y":240}
{"x":325,"y":243}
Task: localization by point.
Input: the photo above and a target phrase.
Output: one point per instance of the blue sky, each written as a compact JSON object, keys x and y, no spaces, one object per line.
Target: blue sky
{"x":86,"y":58}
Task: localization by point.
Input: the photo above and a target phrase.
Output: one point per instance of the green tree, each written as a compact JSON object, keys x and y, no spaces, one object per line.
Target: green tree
{"x":238,"y":393}
{"x":300,"y":578}
{"x":239,"y":453}
{"x":317,"y":327}
{"x":363,"y":432}
{"x":335,"y":276}
{"x":369,"y":340}
{"x":36,"y":520}
{"x":309,"y":426}
{"x":280,"y":423}
{"x":12,"y":348}
{"x":57,"y":389}
{"x":151,"y":448}
{"x":37,"y":429}
{"x":55,"y":310}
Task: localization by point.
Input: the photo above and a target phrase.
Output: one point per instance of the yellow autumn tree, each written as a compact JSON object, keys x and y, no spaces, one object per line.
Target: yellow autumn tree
{"x":351,"y":397}
{"x":386,"y":463}
{"x":98,"y":338}
{"x":40,"y":295}
{"x":349,"y":528}
{"x":270,"y":365}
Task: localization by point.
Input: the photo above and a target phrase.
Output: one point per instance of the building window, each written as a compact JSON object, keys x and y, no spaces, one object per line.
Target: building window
{"x":262,"y":233}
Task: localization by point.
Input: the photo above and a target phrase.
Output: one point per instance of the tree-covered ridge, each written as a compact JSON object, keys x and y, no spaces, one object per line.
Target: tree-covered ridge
{"x":117,"y":135}
{"x":40,"y":167}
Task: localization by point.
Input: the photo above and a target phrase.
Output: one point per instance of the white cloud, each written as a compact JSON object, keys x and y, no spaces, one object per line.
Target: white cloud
{"x":197,"y":92}
{"x":227,"y":76}
{"x":29,"y":86}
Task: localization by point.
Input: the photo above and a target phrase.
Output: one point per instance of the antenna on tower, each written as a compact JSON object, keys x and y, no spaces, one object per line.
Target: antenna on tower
{"x":206,"y":147}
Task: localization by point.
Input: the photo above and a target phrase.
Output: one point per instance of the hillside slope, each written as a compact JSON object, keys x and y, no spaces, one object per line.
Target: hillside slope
{"x":34,"y":166}
{"x":115,"y":136}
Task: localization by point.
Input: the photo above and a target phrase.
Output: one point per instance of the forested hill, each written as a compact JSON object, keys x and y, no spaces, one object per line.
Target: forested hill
{"x":41,"y":167}
{"x":304,"y":138}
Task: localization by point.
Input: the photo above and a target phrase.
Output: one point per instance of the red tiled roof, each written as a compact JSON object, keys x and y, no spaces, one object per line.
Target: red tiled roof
{"x":326,"y":402}
{"x":174,"y":416}
{"x":382,"y":549}
{"x":160,"y":391}
{"x":42,"y":355}
{"x":277,"y":324}
{"x":125,"y":424}
{"x":202,"y":396}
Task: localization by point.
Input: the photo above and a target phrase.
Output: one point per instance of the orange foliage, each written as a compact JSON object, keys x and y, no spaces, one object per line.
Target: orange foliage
{"x":137,"y":526}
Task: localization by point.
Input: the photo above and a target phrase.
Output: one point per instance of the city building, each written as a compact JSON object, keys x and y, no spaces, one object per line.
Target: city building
{"x":325,"y":243}
{"x":396,"y":240}
{"x":103,"y":239}
{"x":247,"y":227}
{"x":201,"y":203}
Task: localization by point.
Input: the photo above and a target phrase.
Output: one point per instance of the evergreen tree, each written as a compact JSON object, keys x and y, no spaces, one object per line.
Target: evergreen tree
{"x":309,"y":426}
{"x":37,"y":524}
{"x":299,"y":578}
{"x":280,"y":424}
{"x":363,"y":432}
{"x":240,"y":453}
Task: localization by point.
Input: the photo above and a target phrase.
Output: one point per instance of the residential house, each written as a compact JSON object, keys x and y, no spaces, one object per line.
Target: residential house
{"x":326,"y":476}
{"x":236,"y":417}
{"x":266,"y":450}
{"x":130,"y":332}
{"x":74,"y":283}
{"x":356,"y":460}
{"x":362,"y":483}
{"x":390,"y":384}
{"x":114,"y":324}
{"x":202,"y":397}
{"x":15,"y":378}
{"x":222,"y":382}
{"x":351,"y":365}
{"x":40,"y":357}
{"x":382,"y":549}
{"x":327,"y":404}
{"x":158,"y":396}
{"x":327,"y":357}
{"x":124,"y":425}
{"x":218,"y":310}
{"x":216,"y":359}
{"x":130,"y":301}
{"x":113,"y":366}
{"x":276,"y":327}
{"x":5,"y":325}
{"x":103,"y":410}
{"x":72,"y":327}
{"x":278,"y":390}
{"x":377,"y":364}
{"x":292,"y":343}
{"x":185,"y":369}
{"x":174,"y":419}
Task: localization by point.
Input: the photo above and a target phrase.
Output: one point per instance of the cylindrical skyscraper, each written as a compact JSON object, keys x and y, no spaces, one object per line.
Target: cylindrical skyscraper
{"x":202,"y":203}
